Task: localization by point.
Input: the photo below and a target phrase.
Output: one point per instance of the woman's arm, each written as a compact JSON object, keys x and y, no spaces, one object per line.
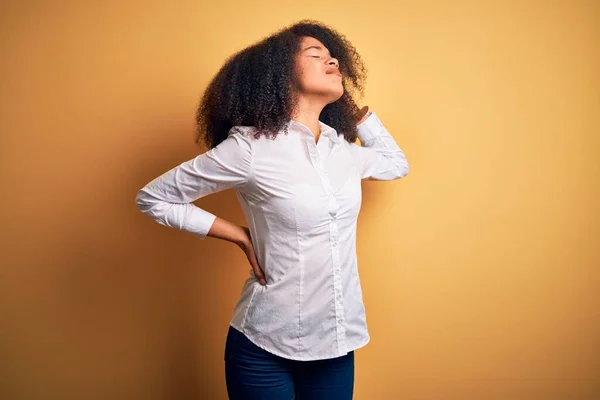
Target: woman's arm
{"x":168,"y":198}
{"x":239,"y":235}
{"x":380,"y":157}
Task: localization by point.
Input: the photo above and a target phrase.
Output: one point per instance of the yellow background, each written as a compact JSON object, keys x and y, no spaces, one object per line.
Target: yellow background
{"x":480,"y":269}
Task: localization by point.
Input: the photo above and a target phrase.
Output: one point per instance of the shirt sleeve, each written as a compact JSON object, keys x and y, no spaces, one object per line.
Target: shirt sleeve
{"x":167,"y":198}
{"x":380,"y":157}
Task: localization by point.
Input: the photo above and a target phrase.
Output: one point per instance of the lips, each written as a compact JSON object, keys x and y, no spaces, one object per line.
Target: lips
{"x":335,"y":73}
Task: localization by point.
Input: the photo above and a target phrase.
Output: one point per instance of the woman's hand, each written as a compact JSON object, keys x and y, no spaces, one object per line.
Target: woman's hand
{"x":240,"y":235}
{"x":246,"y":245}
{"x":361,"y":115}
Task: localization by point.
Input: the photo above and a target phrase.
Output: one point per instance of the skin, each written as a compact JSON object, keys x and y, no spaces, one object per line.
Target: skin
{"x":317,"y":83}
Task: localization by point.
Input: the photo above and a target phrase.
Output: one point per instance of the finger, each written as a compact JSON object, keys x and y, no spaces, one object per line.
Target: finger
{"x":259,"y":275}
{"x":258,"y":272}
{"x":361,"y":113}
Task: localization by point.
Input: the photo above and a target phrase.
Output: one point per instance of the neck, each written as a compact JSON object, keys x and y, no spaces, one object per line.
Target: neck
{"x":307,"y":113}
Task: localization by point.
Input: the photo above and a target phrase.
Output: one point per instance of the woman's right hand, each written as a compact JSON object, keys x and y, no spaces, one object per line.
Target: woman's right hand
{"x":240,"y":235}
{"x":248,"y":248}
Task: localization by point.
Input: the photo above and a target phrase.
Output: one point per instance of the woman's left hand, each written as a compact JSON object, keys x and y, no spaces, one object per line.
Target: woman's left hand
{"x":362,"y":115}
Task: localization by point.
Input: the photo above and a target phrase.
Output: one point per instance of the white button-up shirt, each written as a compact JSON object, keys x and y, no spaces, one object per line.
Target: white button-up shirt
{"x":301,"y":201}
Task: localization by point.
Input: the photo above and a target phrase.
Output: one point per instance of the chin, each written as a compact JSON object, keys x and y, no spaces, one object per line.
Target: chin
{"x":336,"y":95}
{"x":329,"y":92}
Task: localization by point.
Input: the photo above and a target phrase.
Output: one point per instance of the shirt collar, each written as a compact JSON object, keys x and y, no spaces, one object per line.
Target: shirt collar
{"x":326,"y":130}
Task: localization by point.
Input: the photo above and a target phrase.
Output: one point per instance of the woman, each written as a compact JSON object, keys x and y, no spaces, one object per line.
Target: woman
{"x":281,"y":126}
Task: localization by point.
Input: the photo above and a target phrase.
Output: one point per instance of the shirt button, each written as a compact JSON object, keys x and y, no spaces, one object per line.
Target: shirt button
{"x":337,"y":271}
{"x":340,"y":321}
{"x":338,"y":297}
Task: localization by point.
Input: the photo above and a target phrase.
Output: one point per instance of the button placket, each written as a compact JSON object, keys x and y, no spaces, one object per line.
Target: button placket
{"x":332,"y":206}
{"x":337,"y":280}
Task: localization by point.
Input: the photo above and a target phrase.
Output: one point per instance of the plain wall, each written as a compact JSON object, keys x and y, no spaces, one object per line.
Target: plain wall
{"x":480,"y":269}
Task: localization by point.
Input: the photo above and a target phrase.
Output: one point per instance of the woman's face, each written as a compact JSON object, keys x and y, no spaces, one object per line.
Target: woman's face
{"x":317,"y":73}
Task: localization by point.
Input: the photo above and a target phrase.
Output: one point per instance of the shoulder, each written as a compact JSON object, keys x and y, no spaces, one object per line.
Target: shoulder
{"x":237,"y":143}
{"x":243,"y":133}
{"x":350,"y":146}
{"x":241,"y":130}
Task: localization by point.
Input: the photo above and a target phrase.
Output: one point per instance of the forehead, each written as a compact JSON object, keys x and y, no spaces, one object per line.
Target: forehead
{"x":311,"y":42}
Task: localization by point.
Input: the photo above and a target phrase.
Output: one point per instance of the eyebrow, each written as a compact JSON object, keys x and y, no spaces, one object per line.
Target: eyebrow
{"x":316,"y":47}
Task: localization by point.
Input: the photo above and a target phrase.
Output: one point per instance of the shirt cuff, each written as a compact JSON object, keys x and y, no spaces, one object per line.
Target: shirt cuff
{"x":199,"y":221}
{"x":369,"y":128}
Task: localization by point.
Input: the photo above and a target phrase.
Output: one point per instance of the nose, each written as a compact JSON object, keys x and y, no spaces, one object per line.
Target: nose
{"x":334,"y":61}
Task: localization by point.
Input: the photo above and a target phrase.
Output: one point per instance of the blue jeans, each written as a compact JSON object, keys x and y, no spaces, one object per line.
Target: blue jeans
{"x":252,"y":373}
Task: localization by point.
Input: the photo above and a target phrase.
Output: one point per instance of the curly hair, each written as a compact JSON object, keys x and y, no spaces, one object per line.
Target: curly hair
{"x":254,"y":86}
